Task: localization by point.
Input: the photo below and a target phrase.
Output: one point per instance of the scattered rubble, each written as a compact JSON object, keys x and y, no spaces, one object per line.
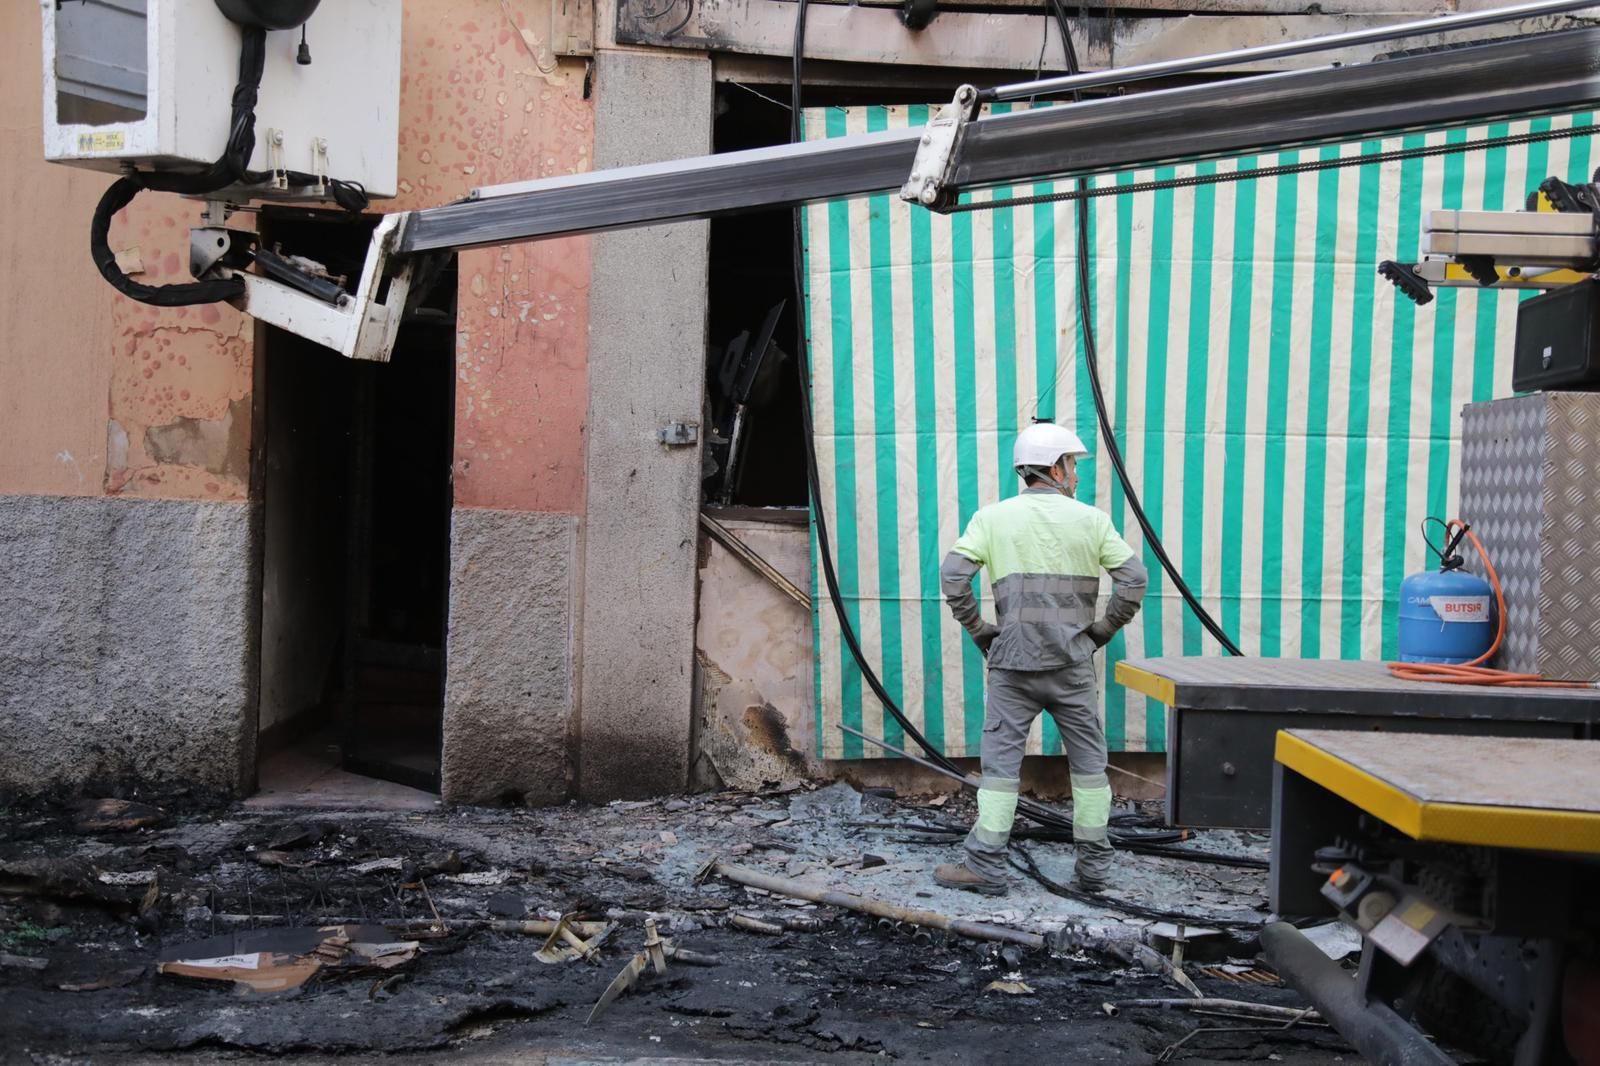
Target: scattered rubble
{"x":405,"y":933}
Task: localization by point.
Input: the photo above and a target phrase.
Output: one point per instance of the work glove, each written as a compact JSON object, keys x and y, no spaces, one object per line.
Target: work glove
{"x":985,"y":637}
{"x":1100,"y":632}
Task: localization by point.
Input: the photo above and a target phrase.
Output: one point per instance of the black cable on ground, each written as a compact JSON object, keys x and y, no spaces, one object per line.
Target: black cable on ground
{"x":1031,"y":809}
{"x":1138,"y":910}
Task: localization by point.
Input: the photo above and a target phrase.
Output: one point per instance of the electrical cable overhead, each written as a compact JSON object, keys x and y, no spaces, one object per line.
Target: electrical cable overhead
{"x":1033,"y":810}
{"x":1037,"y":812}
{"x":1092,"y":363}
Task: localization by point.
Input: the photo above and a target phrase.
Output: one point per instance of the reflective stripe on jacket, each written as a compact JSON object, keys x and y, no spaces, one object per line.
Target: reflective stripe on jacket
{"x":1044,"y":553}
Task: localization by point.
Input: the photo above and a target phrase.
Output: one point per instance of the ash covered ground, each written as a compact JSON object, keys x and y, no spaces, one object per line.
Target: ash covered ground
{"x":91,"y":900}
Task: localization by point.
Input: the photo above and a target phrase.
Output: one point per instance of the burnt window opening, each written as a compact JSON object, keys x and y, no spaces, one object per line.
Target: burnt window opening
{"x":754,"y":444}
{"x":755,"y":429}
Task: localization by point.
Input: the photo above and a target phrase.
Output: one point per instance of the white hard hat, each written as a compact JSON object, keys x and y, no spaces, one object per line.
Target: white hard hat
{"x":1042,"y":443}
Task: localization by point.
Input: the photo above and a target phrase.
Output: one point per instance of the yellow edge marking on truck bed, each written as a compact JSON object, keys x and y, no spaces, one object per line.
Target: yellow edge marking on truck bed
{"x":1526,"y":828}
{"x":1155,"y":686}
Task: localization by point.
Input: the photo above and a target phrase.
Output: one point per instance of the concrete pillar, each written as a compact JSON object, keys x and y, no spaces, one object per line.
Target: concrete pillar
{"x":647,"y":324}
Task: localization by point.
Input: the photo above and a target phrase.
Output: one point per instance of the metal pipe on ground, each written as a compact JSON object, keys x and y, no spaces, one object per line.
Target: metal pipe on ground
{"x":1373,"y":1029}
{"x":1226,"y":1006}
{"x":877,"y":908}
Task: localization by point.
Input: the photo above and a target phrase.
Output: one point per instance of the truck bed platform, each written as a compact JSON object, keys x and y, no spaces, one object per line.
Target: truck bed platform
{"x":1223,"y":715}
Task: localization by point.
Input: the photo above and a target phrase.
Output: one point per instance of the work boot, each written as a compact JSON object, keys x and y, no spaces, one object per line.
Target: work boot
{"x":1092,"y":873}
{"x":961,"y":876}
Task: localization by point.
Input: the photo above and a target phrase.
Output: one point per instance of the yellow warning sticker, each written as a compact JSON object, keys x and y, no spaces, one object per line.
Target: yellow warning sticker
{"x":103,"y":141}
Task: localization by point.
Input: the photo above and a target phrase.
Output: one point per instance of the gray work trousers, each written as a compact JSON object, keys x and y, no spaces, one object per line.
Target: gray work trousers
{"x":1014,"y":699}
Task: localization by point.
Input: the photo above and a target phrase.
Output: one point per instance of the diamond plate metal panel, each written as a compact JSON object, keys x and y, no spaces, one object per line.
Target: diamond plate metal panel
{"x":1530,"y":487}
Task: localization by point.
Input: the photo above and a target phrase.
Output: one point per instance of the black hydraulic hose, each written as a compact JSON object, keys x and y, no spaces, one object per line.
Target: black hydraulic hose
{"x":118,"y":196}
{"x":1374,"y":1029}
{"x":1092,"y":363}
{"x":813,"y":478}
{"x":1035,"y":811}
{"x":231,"y":167}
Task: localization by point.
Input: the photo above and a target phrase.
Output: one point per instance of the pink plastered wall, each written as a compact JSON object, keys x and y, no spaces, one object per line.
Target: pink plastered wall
{"x":101,"y":394}
{"x":483,"y":103}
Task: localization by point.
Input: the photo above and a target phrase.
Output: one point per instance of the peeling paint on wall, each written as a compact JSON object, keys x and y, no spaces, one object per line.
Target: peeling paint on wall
{"x":220,"y":445}
{"x":175,"y":367}
{"x":480,"y":105}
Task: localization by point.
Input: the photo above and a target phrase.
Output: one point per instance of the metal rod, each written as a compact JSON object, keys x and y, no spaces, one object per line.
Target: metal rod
{"x":878,"y":908}
{"x":1373,"y":1029}
{"x":1211,"y":61}
{"x":1535,"y":74}
{"x":748,"y":555}
{"x":1232,"y":1006}
{"x":886,"y":746}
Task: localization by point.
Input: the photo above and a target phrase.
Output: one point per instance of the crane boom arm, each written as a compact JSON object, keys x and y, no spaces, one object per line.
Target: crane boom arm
{"x":1518,"y":75}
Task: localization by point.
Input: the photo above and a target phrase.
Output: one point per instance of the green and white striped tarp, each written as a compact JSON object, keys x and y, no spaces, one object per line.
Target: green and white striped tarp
{"x":1288,"y":417}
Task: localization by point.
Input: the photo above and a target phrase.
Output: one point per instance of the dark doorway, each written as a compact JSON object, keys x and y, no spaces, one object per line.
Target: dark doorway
{"x":356,"y":492}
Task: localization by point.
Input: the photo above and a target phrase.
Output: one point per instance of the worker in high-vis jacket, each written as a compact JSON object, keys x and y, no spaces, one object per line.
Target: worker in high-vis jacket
{"x":1044,"y":551}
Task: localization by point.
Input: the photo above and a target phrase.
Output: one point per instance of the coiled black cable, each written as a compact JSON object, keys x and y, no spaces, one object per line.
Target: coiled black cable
{"x":230,"y":168}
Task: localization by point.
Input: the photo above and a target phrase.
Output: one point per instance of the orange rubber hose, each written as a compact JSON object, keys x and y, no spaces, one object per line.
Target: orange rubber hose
{"x":1474,"y":672}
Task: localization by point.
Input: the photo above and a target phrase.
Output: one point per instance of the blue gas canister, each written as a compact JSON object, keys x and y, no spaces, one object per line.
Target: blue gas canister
{"x":1445,"y":617}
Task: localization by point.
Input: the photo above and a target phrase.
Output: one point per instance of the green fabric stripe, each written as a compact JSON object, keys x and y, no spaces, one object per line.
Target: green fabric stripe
{"x":1047,"y":362}
{"x":1397,"y":479}
{"x":1006,"y":403}
{"x":1538,"y":160}
{"x":1194,"y":415}
{"x":844,"y":526}
{"x":929,"y":551}
{"x":1117,"y":650}
{"x":818,"y":585}
{"x":1240,"y":302}
{"x":966,"y":382}
{"x":1279,"y":344}
{"x":1487,"y":321}
{"x":1088,"y":468}
{"x":885,"y":410}
{"x":1046,"y":355}
{"x":1578,"y":161}
{"x":1538,"y":169}
{"x":1357,"y":413}
{"x":1154,"y":481}
{"x":1088,"y":428}
{"x":1442,"y":414}
{"x":1313,"y":533}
